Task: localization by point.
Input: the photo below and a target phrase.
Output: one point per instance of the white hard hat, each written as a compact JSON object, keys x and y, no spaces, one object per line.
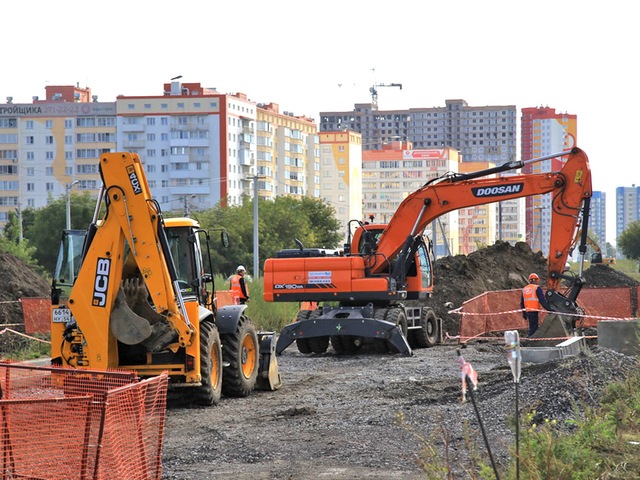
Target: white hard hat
{"x":240,"y":269}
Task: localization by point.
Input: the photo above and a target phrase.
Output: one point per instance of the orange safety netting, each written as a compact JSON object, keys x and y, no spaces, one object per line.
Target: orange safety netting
{"x":74,"y":424}
{"x":36,"y":312}
{"x":500,"y":310}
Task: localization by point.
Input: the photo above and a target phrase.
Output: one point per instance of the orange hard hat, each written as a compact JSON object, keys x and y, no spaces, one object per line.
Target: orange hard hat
{"x":534,"y":276}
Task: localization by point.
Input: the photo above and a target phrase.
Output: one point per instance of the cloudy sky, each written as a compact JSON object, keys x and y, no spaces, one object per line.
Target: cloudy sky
{"x":575,"y":56}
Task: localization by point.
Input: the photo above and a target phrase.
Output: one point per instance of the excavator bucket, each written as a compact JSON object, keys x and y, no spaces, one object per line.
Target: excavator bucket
{"x":127,"y":326}
{"x":269,"y":377}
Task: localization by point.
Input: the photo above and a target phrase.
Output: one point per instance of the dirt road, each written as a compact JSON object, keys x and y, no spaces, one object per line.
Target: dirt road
{"x":337,"y":417}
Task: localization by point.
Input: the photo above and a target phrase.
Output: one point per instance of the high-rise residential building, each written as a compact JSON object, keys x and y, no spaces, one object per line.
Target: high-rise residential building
{"x":544,"y":132}
{"x":288,"y":153}
{"x":485,"y":134}
{"x":478,"y":224}
{"x":198,"y":146}
{"x":627,"y":207}
{"x":479,"y":134}
{"x":598,"y":217}
{"x":201,"y":147}
{"x":51,"y":146}
{"x":396,"y":170}
{"x":341,"y":174}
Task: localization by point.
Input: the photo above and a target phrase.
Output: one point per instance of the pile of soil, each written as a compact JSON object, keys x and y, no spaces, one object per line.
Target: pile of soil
{"x":18,"y":280}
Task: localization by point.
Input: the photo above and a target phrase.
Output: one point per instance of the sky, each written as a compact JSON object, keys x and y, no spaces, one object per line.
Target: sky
{"x":576,"y":56}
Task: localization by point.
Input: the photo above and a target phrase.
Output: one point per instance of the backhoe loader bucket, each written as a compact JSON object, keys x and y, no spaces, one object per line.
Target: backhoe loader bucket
{"x":126,"y":326}
{"x":269,"y":377}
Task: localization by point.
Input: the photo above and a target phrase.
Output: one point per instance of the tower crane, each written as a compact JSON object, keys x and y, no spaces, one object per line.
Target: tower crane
{"x":374,"y":90}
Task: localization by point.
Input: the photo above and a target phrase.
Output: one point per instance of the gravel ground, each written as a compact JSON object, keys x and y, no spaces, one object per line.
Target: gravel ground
{"x":337,"y":416}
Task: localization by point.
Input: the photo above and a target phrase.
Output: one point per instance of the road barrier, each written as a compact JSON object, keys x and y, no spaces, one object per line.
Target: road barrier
{"x":80,"y":424}
{"x":499,"y":310}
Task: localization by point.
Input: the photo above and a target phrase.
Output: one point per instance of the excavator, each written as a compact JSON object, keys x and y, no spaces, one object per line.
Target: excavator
{"x":374,"y":290}
{"x":131,"y":293}
{"x":596,"y":256}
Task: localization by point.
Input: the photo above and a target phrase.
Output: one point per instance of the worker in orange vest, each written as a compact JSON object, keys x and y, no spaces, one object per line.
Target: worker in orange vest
{"x":239,"y":286}
{"x":531,"y":301}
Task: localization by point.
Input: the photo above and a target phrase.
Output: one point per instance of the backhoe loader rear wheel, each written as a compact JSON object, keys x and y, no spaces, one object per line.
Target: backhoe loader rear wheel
{"x":210,"y":391}
{"x":427,"y":334}
{"x":241,"y":352}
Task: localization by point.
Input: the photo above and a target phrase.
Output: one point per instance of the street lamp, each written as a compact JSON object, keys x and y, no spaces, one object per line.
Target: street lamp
{"x":256,"y":259}
{"x":68,"y":191}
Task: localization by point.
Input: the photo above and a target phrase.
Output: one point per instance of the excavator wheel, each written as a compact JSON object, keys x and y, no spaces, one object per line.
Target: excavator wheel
{"x":345,"y":344}
{"x":241,"y":354}
{"x":318,"y":344}
{"x":303,"y":343}
{"x":210,"y":391}
{"x":427,"y":335}
{"x":398,"y":317}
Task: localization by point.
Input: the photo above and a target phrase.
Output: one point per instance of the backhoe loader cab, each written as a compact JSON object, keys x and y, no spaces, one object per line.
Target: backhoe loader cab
{"x":139,"y":298}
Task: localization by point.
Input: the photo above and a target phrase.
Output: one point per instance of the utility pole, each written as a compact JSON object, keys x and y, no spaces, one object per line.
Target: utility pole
{"x":256,"y":253}
{"x":68,"y":189}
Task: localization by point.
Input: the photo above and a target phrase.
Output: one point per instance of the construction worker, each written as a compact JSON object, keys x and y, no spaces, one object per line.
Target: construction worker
{"x":239,"y":286}
{"x":531,"y":301}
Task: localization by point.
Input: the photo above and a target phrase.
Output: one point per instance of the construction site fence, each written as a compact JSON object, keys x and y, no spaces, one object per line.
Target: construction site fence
{"x":63,"y":424}
{"x":500,"y":310}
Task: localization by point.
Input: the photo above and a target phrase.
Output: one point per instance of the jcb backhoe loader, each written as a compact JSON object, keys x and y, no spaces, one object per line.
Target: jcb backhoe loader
{"x":368,"y":292}
{"x":131,"y":293}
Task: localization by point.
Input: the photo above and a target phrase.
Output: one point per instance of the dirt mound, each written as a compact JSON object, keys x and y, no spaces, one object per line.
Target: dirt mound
{"x":605,"y":276}
{"x":17,"y":280}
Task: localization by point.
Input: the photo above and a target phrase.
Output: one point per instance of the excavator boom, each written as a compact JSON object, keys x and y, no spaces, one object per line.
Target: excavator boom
{"x":570,"y":187}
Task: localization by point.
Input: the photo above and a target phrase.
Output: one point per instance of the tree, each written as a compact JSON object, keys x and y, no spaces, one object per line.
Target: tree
{"x":629,"y":241}
{"x":280,"y":222}
{"x":49,"y":222}
{"x":10,"y":241}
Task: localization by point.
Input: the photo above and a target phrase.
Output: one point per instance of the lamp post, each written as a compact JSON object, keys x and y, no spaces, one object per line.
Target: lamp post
{"x":256,"y":256}
{"x":68,"y":191}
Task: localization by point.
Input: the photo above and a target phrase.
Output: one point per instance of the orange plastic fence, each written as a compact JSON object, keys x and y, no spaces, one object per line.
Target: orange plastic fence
{"x":500,"y":310}
{"x":36,"y":312}
{"x":226,"y":297}
{"x":76,"y":424}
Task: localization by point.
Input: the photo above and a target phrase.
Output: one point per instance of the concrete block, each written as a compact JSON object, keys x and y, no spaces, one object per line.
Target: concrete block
{"x":539,"y":354}
{"x":619,"y":335}
{"x":572,"y":346}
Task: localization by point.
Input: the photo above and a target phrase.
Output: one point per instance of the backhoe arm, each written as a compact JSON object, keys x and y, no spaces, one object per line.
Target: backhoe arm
{"x":128,"y":249}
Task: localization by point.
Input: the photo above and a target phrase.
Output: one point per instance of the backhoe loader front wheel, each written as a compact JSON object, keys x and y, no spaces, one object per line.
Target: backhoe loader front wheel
{"x":241,"y":356}
{"x":210,"y":391}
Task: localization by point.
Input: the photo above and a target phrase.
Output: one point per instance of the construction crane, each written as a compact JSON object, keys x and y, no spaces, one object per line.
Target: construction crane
{"x":374,"y":90}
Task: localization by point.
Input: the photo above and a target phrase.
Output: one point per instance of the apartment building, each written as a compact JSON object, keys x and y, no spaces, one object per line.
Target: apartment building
{"x":544,"y":132}
{"x":341,"y":174}
{"x":391,"y":173}
{"x":486,"y":133}
{"x":627,"y":207}
{"x":598,"y":217}
{"x":51,"y":146}
{"x":199,"y":147}
{"x":479,"y":134}
{"x":288,"y":153}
